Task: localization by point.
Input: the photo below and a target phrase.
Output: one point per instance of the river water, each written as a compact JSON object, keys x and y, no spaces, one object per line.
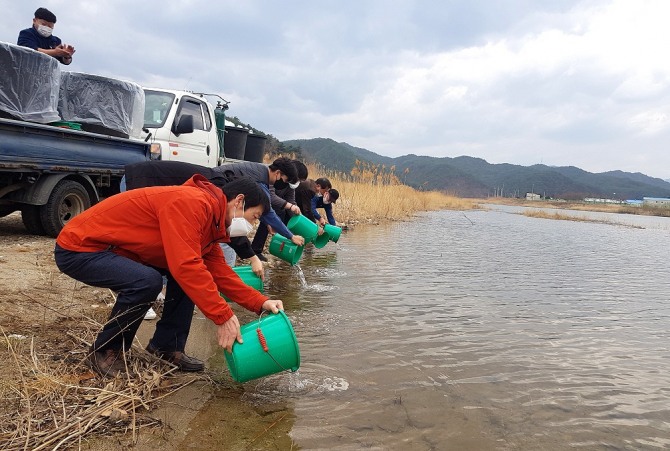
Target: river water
{"x":476,"y":330}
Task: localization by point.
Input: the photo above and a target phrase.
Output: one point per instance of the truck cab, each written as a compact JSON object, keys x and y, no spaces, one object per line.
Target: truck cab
{"x":181,"y":126}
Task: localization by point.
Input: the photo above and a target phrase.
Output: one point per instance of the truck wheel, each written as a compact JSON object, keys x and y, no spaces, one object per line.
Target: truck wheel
{"x":30,"y":214}
{"x":66,"y":201}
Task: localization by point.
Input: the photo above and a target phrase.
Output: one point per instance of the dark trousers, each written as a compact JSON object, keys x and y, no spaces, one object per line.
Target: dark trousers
{"x":137,"y":286}
{"x":261,"y":236}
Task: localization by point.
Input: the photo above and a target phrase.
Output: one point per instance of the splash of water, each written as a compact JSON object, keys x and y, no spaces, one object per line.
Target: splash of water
{"x":301,"y":276}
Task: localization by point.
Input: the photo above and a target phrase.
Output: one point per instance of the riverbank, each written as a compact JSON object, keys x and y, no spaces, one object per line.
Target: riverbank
{"x":51,"y":398}
{"x":580,"y":206}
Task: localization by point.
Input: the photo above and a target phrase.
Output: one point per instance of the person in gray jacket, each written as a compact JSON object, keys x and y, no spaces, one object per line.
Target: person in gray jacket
{"x":283,"y":202}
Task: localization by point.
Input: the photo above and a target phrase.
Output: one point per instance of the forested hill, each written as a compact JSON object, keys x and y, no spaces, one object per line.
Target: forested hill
{"x":474,"y":177}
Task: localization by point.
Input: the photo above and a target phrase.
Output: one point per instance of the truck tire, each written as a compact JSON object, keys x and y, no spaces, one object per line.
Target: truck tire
{"x":30,"y":215}
{"x":67,"y":200}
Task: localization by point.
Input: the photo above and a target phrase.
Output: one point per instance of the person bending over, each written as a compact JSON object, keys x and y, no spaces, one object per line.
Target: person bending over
{"x":130,"y":240}
{"x":324,"y":198}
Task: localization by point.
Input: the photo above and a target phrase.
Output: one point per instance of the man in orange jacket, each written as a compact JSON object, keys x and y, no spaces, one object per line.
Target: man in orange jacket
{"x":129,"y":241}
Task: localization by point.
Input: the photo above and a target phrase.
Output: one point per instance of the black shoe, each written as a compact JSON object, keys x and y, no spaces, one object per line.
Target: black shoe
{"x":262,"y":257}
{"x":178,"y":358}
{"x":107,"y":363}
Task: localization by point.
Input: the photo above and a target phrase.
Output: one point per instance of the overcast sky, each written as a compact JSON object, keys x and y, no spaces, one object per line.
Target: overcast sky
{"x":559,"y":82}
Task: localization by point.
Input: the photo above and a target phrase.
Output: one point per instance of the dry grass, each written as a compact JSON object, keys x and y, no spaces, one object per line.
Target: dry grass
{"x":582,"y":206}
{"x":56,"y":403}
{"x":375,"y":193}
{"x":564,"y":217}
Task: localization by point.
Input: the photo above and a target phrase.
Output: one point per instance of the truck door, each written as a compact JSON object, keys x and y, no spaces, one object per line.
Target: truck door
{"x":193,"y":147}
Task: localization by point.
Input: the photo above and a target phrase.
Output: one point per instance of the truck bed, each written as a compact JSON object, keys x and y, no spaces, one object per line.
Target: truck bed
{"x":29,"y":146}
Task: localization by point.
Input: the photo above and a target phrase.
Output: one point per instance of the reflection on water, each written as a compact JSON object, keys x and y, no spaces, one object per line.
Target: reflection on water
{"x":491,"y":331}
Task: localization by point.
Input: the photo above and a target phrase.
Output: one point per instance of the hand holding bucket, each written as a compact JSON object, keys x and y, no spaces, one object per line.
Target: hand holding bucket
{"x":285,"y":249}
{"x":269,"y":346}
{"x":301,"y":225}
{"x":321,"y":240}
{"x":330,"y":233}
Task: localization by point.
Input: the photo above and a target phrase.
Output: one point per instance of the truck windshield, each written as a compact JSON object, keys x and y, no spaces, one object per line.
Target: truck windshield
{"x":156,"y":107}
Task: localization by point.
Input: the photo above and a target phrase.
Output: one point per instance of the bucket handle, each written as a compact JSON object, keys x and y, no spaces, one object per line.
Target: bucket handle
{"x":263,"y":341}
{"x":261,"y":338}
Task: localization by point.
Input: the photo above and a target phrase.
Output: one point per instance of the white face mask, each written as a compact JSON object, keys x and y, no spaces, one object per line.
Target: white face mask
{"x":239,"y":226}
{"x":44,"y":30}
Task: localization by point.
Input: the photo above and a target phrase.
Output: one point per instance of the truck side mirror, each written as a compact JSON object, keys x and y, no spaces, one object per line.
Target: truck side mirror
{"x":183,"y":125}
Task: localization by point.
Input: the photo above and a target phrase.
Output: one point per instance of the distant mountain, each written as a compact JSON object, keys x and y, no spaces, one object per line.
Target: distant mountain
{"x":473,"y":177}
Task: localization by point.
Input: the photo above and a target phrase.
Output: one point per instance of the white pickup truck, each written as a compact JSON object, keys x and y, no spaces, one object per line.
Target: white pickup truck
{"x":184,"y":126}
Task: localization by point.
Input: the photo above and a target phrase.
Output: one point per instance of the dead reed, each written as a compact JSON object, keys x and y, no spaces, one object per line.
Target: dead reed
{"x":583,"y":206}
{"x":373,"y":193}
{"x":55,"y":403}
{"x":564,"y":217}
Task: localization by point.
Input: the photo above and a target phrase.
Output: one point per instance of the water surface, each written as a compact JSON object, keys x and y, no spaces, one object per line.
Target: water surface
{"x":476,"y":330}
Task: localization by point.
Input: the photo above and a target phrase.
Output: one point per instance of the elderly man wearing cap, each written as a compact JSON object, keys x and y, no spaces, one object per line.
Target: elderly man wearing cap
{"x":39,"y":37}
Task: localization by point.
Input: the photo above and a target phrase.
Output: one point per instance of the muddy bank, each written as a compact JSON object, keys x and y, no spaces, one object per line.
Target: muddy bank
{"x":46,"y":321}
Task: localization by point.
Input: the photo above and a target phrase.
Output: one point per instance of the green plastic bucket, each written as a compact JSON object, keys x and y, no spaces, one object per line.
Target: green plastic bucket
{"x":301,"y":225}
{"x":333,"y":232}
{"x":270,"y":346}
{"x":248,"y":277}
{"x":321,"y":240}
{"x":285,"y":249}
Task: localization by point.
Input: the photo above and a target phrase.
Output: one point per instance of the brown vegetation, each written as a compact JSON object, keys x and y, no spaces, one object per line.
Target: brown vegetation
{"x":564,"y":217}
{"x":373,"y":193}
{"x":581,"y":206}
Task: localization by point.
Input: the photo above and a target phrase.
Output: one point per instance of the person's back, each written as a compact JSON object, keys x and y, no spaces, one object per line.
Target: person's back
{"x":304,"y":193}
{"x":167,"y":173}
{"x":257,"y":171}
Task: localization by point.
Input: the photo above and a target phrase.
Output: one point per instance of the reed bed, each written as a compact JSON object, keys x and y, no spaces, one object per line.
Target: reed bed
{"x":583,"y":206}
{"x":564,"y":217}
{"x":54,"y":402}
{"x":374,"y":193}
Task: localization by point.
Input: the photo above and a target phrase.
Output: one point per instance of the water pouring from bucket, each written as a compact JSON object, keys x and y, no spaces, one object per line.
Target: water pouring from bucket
{"x":269,"y":346}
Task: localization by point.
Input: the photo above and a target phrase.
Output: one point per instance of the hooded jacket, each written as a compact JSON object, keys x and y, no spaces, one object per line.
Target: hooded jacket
{"x":172,"y":227}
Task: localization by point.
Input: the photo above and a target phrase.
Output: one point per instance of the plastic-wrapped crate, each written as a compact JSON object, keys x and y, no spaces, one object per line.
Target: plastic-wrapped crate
{"x":29,"y":84}
{"x":101,"y":104}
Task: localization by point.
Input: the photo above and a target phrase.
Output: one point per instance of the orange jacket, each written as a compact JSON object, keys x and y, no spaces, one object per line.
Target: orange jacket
{"x":173,"y":227}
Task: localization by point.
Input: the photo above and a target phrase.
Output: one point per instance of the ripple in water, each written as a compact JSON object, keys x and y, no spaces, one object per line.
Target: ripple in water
{"x":279,"y":387}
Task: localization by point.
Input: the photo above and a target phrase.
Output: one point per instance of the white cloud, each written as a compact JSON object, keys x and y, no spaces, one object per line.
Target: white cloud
{"x":580,"y":82}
